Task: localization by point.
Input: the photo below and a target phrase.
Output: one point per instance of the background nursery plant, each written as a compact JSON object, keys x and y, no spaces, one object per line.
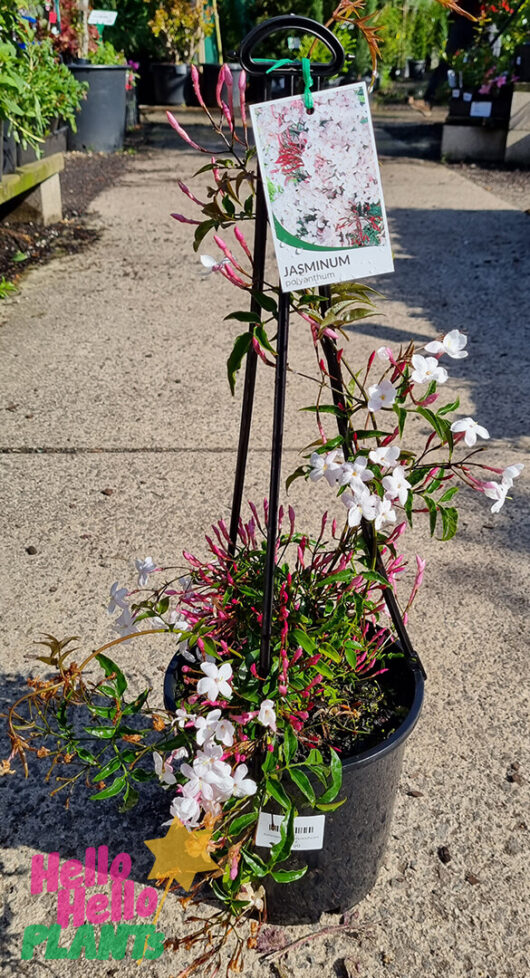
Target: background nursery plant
{"x":231,"y":737}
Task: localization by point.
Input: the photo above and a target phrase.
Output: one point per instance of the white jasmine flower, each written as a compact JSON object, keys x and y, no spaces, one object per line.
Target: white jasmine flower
{"x":210,"y":770}
{"x":205,"y":726}
{"x":224,"y":732}
{"x":471,"y":429}
{"x":356,"y":472}
{"x":384,"y":353}
{"x":328,"y":465}
{"x":215,"y":682}
{"x":396,"y":485}
{"x":182,"y":718}
{"x":212,"y":264}
{"x":117,"y":598}
{"x":177,"y":755}
{"x":510,"y":473}
{"x":243,"y":786}
{"x":453,"y":344}
{"x":359,"y":504}
{"x":497,"y":491}
{"x":384,"y":513}
{"x":125,"y":623}
{"x":267,"y":715}
{"x":386,"y":456}
{"x":163,"y":769}
{"x":187,"y":810}
{"x":381,"y":395}
{"x":427,"y":369}
{"x":255,"y":897}
{"x":144,"y":568}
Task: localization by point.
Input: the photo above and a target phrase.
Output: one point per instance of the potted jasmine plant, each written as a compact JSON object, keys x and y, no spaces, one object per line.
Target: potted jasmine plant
{"x":103,"y":70}
{"x":257,"y":756}
{"x":180,"y":25}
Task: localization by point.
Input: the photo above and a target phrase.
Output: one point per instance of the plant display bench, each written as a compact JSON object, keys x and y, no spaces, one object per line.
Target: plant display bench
{"x":518,"y":137}
{"x":36,"y":188}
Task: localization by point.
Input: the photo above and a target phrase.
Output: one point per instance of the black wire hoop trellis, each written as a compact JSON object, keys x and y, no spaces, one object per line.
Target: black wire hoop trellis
{"x":292,"y":72}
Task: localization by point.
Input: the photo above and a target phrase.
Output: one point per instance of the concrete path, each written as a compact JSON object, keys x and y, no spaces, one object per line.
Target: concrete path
{"x":113,"y":377}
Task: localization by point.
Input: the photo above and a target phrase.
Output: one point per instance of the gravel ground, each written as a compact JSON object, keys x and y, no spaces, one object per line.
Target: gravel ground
{"x":507,"y":183}
{"x":85,"y":175}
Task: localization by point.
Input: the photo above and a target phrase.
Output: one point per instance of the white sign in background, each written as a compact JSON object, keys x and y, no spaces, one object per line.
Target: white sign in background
{"x":102,"y":18}
{"x":308,"y":831}
{"x":323,"y":188}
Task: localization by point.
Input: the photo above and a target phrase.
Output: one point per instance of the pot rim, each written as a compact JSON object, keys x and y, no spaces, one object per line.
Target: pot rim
{"x":401,"y":733}
{"x":363,"y":757}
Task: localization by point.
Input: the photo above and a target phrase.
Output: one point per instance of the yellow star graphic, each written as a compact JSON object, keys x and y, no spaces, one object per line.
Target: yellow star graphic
{"x":181,"y":854}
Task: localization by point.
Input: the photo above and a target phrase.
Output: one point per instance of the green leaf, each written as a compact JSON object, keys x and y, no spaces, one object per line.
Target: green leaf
{"x":304,"y":640}
{"x":130,"y":799}
{"x":447,"y":408}
{"x":282,"y":849}
{"x":140,"y":775}
{"x":113,"y":789}
{"x":323,"y":409}
{"x":110,"y":667}
{"x":263,"y":339}
{"x":433,"y":513}
{"x":19,"y":256}
{"x":266,"y":302}
{"x":244,"y":317}
{"x":255,"y":863}
{"x":300,"y":471}
{"x":402,"y":417}
{"x":290,"y":743}
{"x":336,"y":779}
{"x":137,"y":704}
{"x":102,"y":733}
{"x":201,"y":231}
{"x":303,"y":783}
{"x":242,"y":822}
{"x":109,"y":769}
{"x":449,"y":522}
{"x":288,"y":875}
{"x":233,"y":364}
{"x":448,"y":494}
{"x":332,"y":806}
{"x":85,"y":755}
{"x":276,"y":791}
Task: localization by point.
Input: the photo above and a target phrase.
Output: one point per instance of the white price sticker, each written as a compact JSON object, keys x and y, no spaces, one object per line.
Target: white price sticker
{"x":308,"y":831}
{"x":480,"y":110}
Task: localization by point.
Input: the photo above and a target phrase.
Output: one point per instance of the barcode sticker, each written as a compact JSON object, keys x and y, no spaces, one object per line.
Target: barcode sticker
{"x":308,"y":831}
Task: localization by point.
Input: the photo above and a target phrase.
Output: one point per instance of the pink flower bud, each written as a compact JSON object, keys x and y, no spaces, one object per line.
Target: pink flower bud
{"x":182,"y":133}
{"x":184,"y":220}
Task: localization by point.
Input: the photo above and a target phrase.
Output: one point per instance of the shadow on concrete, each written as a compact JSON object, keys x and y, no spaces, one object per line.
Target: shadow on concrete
{"x":468,"y":270}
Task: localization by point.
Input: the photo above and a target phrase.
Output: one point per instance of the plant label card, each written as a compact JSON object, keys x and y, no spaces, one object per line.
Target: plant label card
{"x":308,"y":831}
{"x":322,"y":186}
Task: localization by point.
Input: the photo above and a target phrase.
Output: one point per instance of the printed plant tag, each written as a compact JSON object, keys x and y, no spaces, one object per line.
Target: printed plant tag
{"x":480,"y":110}
{"x":308,"y":831}
{"x":322,"y":186}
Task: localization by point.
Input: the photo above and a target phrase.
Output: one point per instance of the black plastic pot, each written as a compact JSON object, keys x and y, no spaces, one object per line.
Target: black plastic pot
{"x":416,"y":69}
{"x":169,"y":83}
{"x":55,"y":142}
{"x":101,"y":118}
{"x":9,"y":151}
{"x":344,"y":871}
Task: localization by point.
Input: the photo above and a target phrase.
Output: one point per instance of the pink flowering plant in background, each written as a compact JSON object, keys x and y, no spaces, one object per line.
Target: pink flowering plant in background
{"x":236,"y":740}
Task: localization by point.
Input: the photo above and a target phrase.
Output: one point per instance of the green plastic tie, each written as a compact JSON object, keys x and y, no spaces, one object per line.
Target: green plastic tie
{"x":306,"y":75}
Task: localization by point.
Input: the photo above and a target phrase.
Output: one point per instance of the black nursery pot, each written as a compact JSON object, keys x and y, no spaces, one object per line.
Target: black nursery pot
{"x":101,"y":118}
{"x":344,"y":871}
{"x":169,"y":83}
